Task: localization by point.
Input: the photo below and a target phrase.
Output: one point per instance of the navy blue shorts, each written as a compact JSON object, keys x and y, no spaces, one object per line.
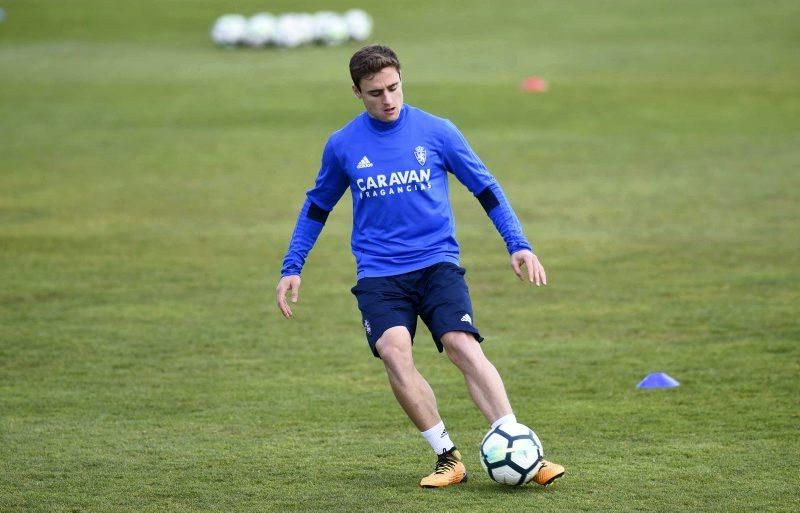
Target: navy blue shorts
{"x":438,"y":294}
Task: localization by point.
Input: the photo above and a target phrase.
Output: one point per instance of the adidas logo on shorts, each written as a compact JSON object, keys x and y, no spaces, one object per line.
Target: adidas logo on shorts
{"x":466,"y":318}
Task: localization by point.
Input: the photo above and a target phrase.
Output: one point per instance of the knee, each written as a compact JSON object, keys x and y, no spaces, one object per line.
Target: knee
{"x":395,"y":351}
{"x":393,"y":354}
{"x":462,"y":348}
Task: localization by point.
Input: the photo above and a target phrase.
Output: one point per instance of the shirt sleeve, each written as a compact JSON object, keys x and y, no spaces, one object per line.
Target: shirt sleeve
{"x":465,"y":164}
{"x":320,"y":200}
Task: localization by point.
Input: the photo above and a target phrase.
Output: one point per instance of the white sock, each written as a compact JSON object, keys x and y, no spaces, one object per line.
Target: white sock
{"x":438,"y":438}
{"x":504,"y":420}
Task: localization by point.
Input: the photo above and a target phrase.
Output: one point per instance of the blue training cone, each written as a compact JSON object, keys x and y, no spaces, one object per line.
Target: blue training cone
{"x":658,"y":380}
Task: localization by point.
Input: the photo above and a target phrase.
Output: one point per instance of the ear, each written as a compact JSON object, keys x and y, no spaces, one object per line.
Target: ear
{"x":356,"y":92}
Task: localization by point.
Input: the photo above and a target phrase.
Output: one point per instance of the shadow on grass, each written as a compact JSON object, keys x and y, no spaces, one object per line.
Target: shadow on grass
{"x":483,"y":487}
{"x":407,"y":481}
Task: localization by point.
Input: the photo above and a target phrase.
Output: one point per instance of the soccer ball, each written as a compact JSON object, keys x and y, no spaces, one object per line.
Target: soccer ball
{"x":229,"y":30}
{"x":330,"y":28}
{"x":290,"y":31}
{"x":260,"y":29}
{"x":359,"y":24}
{"x":511,"y":454}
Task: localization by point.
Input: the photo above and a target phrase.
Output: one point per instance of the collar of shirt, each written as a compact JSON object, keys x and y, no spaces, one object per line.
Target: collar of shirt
{"x":382,"y":127}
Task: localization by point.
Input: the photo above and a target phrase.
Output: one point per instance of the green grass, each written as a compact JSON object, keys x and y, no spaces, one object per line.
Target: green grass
{"x":149,"y":184}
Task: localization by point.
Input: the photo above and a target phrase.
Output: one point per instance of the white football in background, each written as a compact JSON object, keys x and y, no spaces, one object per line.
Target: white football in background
{"x":289,"y":32}
{"x":260,"y":29}
{"x":229,"y":30}
{"x":359,"y":24}
{"x":330,"y":28}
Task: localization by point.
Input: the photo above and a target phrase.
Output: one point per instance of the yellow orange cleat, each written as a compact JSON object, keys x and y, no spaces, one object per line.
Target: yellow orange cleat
{"x":449,"y":470}
{"x":548,"y":473}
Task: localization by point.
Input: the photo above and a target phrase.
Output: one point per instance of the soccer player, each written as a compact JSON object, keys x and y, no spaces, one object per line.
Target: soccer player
{"x":395,"y":159}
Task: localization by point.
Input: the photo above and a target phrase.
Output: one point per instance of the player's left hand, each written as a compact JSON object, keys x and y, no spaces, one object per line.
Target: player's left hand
{"x":535,"y":269}
{"x":287,"y":284}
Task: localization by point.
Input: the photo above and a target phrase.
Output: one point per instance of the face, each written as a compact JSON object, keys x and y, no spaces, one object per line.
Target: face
{"x":382,"y":94}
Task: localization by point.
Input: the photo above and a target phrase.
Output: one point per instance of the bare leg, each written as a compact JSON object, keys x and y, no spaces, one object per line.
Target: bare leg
{"x":483,"y":381}
{"x":411,"y":390}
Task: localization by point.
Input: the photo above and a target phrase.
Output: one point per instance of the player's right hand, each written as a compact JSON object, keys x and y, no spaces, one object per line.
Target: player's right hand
{"x":287,"y":283}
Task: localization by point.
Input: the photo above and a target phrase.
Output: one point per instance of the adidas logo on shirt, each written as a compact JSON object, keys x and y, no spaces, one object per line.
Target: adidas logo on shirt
{"x":364,"y":163}
{"x":466,"y":318}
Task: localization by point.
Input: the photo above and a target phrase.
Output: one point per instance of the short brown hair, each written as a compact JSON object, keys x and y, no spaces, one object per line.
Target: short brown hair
{"x":370,"y":60}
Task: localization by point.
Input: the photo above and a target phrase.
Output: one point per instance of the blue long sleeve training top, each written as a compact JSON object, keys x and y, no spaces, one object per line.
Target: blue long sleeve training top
{"x":397,"y":175}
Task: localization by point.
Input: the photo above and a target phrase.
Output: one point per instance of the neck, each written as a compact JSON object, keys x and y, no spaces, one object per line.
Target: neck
{"x":382,"y":126}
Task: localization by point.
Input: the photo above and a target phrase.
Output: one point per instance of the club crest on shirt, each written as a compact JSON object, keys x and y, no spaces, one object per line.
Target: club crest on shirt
{"x":419,"y":152}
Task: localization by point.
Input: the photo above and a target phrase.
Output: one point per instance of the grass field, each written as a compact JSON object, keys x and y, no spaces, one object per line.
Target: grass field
{"x":149,"y":183}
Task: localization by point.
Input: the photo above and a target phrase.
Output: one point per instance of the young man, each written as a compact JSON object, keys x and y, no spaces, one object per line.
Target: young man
{"x":395,"y":159}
